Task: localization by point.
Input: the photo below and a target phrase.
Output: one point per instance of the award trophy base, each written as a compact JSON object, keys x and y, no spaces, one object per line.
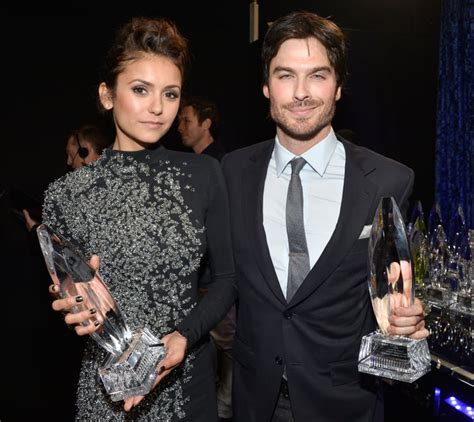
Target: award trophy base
{"x":395,"y":357}
{"x":134,"y":371}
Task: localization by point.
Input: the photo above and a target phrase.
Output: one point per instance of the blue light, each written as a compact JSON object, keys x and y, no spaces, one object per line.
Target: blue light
{"x":460,"y":406}
{"x":436,"y":401}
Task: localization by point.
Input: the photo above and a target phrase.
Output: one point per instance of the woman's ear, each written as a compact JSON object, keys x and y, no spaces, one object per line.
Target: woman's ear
{"x":105,"y":96}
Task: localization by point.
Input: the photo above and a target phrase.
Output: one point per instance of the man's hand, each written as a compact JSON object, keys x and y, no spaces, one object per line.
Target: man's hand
{"x":408,"y":321}
{"x":176,"y":345}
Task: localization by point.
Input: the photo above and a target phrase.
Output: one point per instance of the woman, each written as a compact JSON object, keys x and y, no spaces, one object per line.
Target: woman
{"x":150,"y":215}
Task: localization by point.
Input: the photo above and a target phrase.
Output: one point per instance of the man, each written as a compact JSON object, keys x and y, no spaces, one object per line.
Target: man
{"x":299,"y":241}
{"x":198,"y":124}
{"x":85,"y":145}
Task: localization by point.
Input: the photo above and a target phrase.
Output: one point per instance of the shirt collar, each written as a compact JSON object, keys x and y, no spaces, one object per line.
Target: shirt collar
{"x":318,"y":156}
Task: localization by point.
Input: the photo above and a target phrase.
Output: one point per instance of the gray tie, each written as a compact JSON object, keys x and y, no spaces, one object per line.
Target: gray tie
{"x":298,"y":267}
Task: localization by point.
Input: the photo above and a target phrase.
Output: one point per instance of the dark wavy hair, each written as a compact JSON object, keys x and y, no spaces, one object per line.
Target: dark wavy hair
{"x":144,"y":36}
{"x":302,"y":25}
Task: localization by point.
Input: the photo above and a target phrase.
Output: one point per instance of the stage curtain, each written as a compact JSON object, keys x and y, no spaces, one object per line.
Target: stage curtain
{"x":455,"y":115}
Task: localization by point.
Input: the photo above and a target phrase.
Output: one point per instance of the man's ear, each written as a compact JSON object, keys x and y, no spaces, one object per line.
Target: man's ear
{"x":265,"y":90}
{"x":338,"y":93}
{"x":105,"y":97}
{"x":206,"y":124}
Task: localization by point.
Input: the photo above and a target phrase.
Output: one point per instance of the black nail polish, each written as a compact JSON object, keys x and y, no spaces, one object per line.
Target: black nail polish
{"x":97,"y":323}
{"x":93,"y":311}
{"x":161,"y":370}
{"x":79,"y":299}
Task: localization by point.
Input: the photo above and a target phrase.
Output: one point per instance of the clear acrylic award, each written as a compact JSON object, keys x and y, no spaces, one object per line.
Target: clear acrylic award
{"x":130,"y":367}
{"x":391,"y":285}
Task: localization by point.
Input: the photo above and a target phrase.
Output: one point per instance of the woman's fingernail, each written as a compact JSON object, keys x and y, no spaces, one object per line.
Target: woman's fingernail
{"x":97,"y":323}
{"x":93,"y":311}
{"x":161,"y":370}
{"x":54,"y":288}
{"x":79,"y":299}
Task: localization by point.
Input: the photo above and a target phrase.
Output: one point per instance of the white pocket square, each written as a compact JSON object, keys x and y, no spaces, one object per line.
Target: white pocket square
{"x":365,"y":233}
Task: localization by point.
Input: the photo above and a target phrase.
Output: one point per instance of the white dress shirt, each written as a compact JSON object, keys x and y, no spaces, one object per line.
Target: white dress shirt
{"x":322,"y":179}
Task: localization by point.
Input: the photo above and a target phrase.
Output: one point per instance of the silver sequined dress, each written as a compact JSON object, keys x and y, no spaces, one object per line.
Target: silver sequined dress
{"x":152,"y":216}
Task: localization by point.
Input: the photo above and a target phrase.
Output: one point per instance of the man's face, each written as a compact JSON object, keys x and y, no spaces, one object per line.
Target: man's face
{"x":189,"y":128}
{"x":302,"y":90}
{"x":73,"y":158}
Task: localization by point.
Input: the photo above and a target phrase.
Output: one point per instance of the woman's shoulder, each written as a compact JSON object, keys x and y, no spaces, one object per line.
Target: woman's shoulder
{"x":74,"y":181}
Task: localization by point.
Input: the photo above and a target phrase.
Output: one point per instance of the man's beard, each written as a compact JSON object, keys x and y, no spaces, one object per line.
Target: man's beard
{"x":302,"y":130}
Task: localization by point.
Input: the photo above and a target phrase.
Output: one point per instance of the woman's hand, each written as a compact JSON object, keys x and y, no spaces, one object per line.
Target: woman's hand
{"x":82,"y":301}
{"x":176,"y":350}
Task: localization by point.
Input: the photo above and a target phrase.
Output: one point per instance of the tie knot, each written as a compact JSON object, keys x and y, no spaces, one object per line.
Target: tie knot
{"x":297,"y":164}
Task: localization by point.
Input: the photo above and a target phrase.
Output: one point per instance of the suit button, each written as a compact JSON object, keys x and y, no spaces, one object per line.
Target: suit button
{"x":278,"y":360}
{"x":288,"y":314}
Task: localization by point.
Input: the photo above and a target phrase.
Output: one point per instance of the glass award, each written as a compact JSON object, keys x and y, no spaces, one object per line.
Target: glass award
{"x":130,"y":367}
{"x":391,"y":285}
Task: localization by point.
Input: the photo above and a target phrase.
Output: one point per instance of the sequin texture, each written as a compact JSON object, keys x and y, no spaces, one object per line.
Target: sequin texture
{"x":131,"y":210}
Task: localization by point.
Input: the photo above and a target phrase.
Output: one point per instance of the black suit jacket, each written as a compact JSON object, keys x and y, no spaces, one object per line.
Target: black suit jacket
{"x":317,"y":335}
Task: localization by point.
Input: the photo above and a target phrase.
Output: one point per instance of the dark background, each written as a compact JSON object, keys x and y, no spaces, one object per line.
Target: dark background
{"x":390,"y":98}
{"x":52,"y":60}
{"x":50,"y":67}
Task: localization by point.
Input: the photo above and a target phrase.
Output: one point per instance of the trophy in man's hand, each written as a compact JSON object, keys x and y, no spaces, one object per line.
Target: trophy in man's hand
{"x":391,"y":285}
{"x":130,"y":367}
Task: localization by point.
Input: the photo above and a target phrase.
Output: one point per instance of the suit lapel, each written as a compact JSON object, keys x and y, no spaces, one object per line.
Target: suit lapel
{"x":253,"y":185}
{"x":357,"y":198}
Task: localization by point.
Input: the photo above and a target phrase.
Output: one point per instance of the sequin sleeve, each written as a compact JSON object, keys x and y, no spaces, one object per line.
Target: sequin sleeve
{"x":221,"y":289}
{"x":53,"y":215}
{"x":60,"y":210}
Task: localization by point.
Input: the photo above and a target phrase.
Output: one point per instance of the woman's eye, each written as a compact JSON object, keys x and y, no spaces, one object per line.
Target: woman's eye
{"x":172,"y":95}
{"x":139,"y":90}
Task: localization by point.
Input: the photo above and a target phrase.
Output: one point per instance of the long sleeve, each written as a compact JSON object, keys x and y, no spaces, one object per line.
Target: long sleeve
{"x":55,"y":200}
{"x":222,"y":289}
{"x":62,"y":214}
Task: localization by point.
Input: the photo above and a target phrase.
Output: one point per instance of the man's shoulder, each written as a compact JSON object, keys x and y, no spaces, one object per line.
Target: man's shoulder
{"x":370,"y":159}
{"x":248,"y":152}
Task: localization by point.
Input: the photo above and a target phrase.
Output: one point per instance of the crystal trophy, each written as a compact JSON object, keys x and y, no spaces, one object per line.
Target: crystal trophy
{"x":391,"y":285}
{"x":419,"y":244}
{"x":130,"y":366}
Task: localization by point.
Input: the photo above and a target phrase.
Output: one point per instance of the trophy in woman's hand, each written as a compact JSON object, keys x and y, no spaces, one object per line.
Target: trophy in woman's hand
{"x":130,"y":367}
{"x":391,"y":285}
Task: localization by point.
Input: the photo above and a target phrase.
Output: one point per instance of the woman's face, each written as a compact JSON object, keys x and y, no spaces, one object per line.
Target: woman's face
{"x":145,"y":101}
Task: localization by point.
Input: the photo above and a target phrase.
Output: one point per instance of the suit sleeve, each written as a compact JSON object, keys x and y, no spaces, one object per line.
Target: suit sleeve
{"x":408,"y":189}
{"x":221,"y":293}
